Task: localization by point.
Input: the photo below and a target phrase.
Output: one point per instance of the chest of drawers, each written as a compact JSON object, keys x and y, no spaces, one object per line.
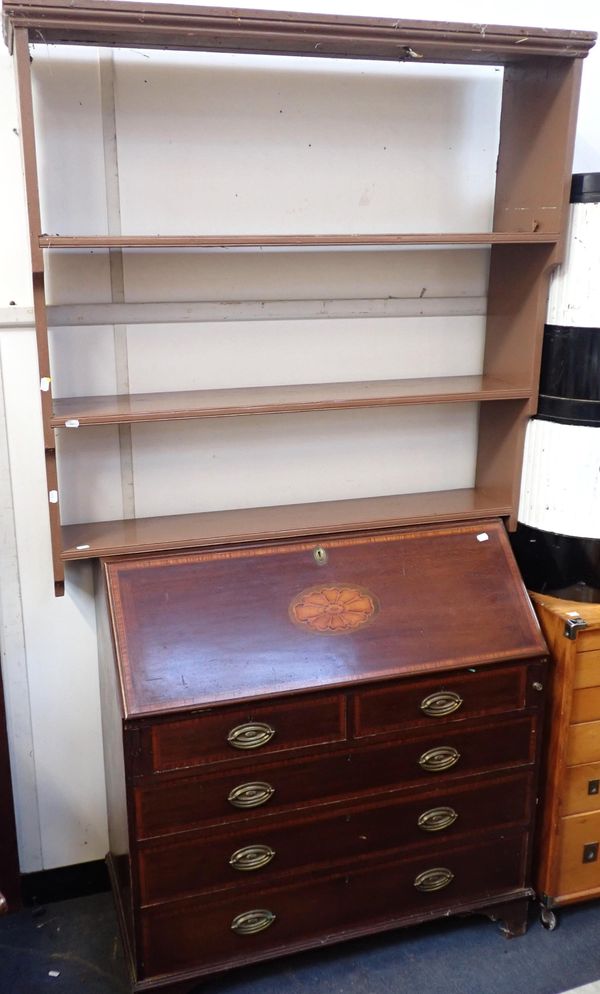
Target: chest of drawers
{"x":316,"y":740}
{"x":568,"y":854}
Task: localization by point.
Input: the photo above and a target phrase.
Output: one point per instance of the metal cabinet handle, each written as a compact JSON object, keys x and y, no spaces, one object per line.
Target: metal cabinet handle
{"x":251,"y":735}
{"x":442,"y":703}
{"x":251,"y":795}
{"x":439,"y":758}
{"x":251,"y":922}
{"x":251,"y":857}
{"x":435,"y":879}
{"x":437,"y":819}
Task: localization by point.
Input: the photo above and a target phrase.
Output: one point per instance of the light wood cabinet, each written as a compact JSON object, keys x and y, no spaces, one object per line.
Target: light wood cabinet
{"x":568,"y":854}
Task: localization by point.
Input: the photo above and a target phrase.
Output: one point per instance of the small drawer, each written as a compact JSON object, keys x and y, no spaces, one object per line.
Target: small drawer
{"x":585,"y":705}
{"x":434,"y":701}
{"x":588,"y":639}
{"x":336,"y":833}
{"x":581,"y":789}
{"x":182,"y":803}
{"x":587,"y":669}
{"x":229,"y":928}
{"x":579,"y":855}
{"x":583,"y":743}
{"x":236,"y":733}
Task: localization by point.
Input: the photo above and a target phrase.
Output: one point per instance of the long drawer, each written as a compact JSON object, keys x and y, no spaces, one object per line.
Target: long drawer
{"x":180,"y":803}
{"x":262,"y":848}
{"x":242,"y":927}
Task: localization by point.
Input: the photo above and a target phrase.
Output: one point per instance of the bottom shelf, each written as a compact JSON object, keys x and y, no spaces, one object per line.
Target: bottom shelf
{"x":186,"y":531}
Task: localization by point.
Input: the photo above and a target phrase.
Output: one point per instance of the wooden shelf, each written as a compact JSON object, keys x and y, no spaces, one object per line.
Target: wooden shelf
{"x":135,"y":408}
{"x":126,"y":25}
{"x":295,"y":241}
{"x":186,"y":531}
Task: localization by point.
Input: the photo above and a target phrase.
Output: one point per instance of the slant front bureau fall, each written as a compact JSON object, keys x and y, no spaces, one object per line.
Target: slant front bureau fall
{"x":310,"y":741}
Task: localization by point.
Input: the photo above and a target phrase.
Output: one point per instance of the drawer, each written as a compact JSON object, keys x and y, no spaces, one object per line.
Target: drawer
{"x":583,"y":743}
{"x":183,"y":802}
{"x":585,"y":705}
{"x":579,"y":854}
{"x":441,"y":699}
{"x":264,"y":848}
{"x":581,"y":789}
{"x":235,"y":733}
{"x":199,"y":933}
{"x":588,"y":640}
{"x":587,"y":669}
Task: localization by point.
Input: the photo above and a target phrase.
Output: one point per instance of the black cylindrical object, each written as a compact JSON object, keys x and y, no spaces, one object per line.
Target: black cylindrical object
{"x":570,"y":375}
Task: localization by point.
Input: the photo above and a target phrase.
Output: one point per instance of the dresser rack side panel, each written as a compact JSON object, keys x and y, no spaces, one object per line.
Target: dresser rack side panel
{"x":22,"y":65}
{"x":537,"y":138}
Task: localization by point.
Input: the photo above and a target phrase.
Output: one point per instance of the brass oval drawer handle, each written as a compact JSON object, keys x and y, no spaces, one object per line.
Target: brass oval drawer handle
{"x":436,"y":819}
{"x":439,"y":758}
{"x":442,"y":703}
{"x":435,"y":879}
{"x":251,"y":795}
{"x":251,"y":735}
{"x":250,"y":922}
{"x":251,"y":857}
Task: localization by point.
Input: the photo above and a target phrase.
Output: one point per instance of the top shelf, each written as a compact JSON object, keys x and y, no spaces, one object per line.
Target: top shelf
{"x":294,"y":241}
{"x":136,"y":25}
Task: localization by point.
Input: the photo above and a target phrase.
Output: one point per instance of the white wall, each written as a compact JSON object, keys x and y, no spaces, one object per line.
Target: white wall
{"x":48,"y":645}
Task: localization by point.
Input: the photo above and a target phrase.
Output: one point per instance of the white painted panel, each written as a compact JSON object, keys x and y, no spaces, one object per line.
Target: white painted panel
{"x":574,"y":298}
{"x":82,"y":361}
{"x":89,"y":474}
{"x":319,"y":351}
{"x":269,"y":275}
{"x":15,"y":676}
{"x":69,"y":140}
{"x":247,"y":144}
{"x":15,"y":271}
{"x":560,"y":487}
{"x":256,"y":461}
{"x":60,"y":638}
{"x":77,"y":277}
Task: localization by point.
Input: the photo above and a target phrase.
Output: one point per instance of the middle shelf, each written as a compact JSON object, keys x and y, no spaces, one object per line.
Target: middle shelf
{"x":293,"y":398}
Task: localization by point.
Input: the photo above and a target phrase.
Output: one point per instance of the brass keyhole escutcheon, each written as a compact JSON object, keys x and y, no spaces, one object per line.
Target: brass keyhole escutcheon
{"x":320,"y":555}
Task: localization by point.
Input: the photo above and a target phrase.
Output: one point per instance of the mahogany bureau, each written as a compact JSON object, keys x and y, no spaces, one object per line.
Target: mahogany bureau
{"x":316,"y":740}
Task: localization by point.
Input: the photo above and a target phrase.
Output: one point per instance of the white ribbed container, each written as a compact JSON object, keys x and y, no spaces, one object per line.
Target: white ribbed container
{"x":560,"y":487}
{"x":574,"y":298}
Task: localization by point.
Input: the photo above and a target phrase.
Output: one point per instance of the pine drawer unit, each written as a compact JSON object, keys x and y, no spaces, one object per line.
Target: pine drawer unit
{"x":316,"y":740}
{"x":569,"y":866}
